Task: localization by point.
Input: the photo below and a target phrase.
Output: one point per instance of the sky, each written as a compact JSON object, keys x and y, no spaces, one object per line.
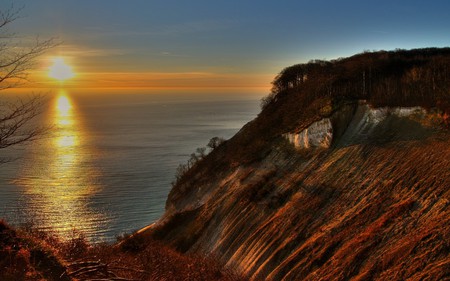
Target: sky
{"x":222,"y":44}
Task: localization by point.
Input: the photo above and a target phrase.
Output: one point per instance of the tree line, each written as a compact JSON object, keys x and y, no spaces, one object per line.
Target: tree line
{"x":384,"y":78}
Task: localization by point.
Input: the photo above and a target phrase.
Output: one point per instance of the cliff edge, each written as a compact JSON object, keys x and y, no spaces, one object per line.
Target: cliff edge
{"x":344,"y":175}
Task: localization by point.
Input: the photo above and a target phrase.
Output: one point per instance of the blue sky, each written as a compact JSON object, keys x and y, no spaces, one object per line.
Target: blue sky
{"x":224,"y":43}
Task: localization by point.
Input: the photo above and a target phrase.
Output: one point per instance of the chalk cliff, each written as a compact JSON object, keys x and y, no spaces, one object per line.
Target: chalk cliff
{"x":343,"y":176}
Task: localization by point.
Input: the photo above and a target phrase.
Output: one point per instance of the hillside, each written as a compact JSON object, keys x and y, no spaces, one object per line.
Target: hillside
{"x":344,"y":175}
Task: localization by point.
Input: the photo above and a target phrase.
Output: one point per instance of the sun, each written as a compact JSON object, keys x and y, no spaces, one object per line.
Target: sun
{"x":59,"y":70}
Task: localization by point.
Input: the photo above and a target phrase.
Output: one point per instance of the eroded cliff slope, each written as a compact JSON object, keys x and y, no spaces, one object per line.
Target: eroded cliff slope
{"x":345,"y":174}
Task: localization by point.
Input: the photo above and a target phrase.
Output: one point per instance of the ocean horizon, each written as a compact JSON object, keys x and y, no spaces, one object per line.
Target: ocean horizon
{"x":106,"y":166}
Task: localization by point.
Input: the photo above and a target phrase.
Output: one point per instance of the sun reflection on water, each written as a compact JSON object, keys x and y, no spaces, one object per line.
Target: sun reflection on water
{"x":63,"y":112}
{"x":63,"y":105}
{"x":60,"y":186}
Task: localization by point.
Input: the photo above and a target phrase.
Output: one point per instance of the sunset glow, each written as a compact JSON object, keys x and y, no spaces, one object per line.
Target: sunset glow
{"x":60,"y":70}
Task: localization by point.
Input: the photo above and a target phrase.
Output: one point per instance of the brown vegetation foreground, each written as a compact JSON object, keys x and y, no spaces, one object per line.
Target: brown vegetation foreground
{"x":27,"y":254}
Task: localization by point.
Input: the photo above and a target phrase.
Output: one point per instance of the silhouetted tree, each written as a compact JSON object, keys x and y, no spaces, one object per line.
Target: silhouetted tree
{"x":215,"y":142}
{"x":201,"y":152}
{"x":15,"y":62}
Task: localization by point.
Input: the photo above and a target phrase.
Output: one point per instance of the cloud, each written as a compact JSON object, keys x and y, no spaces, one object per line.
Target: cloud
{"x":70,"y":50}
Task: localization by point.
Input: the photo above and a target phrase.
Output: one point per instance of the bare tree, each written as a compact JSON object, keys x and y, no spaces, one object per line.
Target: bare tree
{"x":16,"y":60}
{"x":215,"y":142}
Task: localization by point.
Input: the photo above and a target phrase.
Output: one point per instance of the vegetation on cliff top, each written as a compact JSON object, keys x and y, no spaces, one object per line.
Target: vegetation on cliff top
{"x":417,"y":77}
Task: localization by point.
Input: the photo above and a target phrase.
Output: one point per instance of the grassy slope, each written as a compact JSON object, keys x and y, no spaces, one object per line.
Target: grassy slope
{"x":360,"y":211}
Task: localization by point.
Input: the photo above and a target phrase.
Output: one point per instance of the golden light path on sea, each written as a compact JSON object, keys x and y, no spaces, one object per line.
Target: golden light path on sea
{"x":57,"y":181}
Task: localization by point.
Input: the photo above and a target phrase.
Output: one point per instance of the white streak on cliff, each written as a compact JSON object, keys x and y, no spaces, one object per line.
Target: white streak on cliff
{"x":318,"y":134}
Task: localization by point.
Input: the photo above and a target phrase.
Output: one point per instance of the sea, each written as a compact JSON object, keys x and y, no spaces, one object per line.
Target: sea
{"x":105,"y":165}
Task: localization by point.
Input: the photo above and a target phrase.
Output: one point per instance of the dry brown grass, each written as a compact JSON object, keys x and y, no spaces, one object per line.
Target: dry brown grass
{"x":24,"y":256}
{"x":29,"y":254}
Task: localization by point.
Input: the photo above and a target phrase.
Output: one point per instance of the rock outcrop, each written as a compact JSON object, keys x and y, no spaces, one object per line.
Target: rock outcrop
{"x":318,"y":134}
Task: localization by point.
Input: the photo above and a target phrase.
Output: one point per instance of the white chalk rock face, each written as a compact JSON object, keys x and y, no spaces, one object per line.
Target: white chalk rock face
{"x":318,"y":134}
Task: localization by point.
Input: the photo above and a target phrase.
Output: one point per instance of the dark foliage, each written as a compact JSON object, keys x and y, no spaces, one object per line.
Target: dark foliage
{"x":407,"y":78}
